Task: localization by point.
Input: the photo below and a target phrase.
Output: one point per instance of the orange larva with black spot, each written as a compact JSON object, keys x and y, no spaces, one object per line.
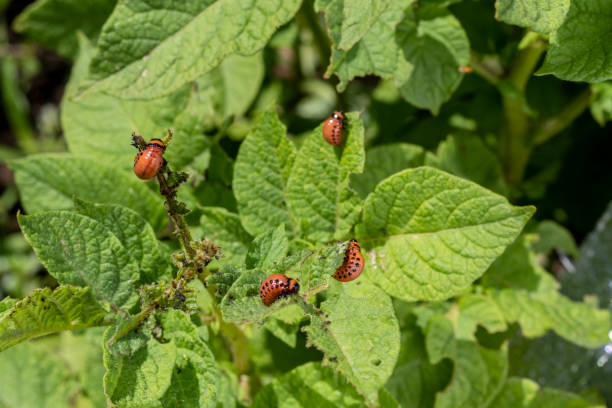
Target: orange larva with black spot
{"x":277,"y":286}
{"x":332,"y":128}
{"x":149,"y":160}
{"x":353,"y":263}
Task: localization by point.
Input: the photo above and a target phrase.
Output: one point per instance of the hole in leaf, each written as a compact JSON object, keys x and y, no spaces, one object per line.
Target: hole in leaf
{"x":376,"y":362}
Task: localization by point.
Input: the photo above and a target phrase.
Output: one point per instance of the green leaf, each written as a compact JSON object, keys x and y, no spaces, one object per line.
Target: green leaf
{"x":99,"y":124}
{"x":386,"y":400}
{"x":242,"y":303}
{"x":542,"y":16}
{"x":358,"y":18}
{"x":31,"y":377}
{"x":312,"y":269}
{"x":195,"y":377}
{"x":422,"y":52}
{"x":485,"y":370}
{"x":545,"y":357}
{"x":47,"y":311}
{"x":518,"y":268}
{"x":224,"y":279}
{"x":285,"y":323}
{"x":157,"y":59}
{"x":50,"y":181}
{"x":261,"y":172}
{"x":384,"y":161}
{"x":375,"y":53}
{"x":80,"y":251}
{"x":318,"y":192}
{"x":532,"y":299}
{"x":309,"y":385}
{"x":224,"y":229}
{"x":85,"y":358}
{"x":437,"y":47}
{"x":6,"y":304}
{"x":525,"y":393}
{"x":433,"y":234}
{"x":466,"y":156}
{"x":136,"y":236}
{"x":415,"y":381}
{"x":577,"y":322}
{"x":267,"y":249}
{"x":240,"y":79}
{"x":359,"y":335}
{"x":601,"y":102}
{"x":554,"y":236}
{"x":478,"y":309}
{"x":140,"y":378}
{"x":54,"y":23}
{"x":578,"y":49}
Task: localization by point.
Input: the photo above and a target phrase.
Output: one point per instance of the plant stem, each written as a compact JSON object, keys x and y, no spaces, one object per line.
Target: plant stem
{"x":514,"y":141}
{"x":551,"y":126}
{"x":524,"y":64}
{"x":178,"y":220}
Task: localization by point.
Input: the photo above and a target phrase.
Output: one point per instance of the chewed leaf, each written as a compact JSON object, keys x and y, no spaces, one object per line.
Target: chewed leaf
{"x":47,"y":311}
{"x":285,"y":323}
{"x":359,"y":334}
{"x":315,"y":270}
{"x":141,"y":377}
{"x":312,"y":270}
{"x":242,"y":303}
{"x":195,"y":376}
{"x":267,"y":249}
{"x":224,"y":279}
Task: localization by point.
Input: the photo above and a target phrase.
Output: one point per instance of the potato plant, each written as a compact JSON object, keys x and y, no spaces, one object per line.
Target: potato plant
{"x":458,"y":173}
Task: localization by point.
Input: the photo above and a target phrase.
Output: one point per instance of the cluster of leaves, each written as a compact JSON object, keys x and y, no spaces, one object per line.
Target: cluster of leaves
{"x":451,"y":279}
{"x":427,"y":236}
